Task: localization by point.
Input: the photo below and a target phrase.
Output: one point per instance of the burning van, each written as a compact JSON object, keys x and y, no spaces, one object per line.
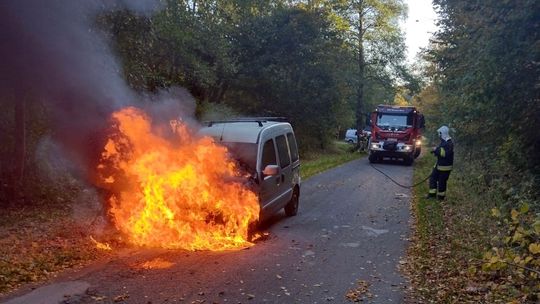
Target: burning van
{"x":267,"y":149}
{"x":170,"y":188}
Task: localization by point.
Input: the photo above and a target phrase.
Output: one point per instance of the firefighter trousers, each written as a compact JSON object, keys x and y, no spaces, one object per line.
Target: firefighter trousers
{"x":437,"y":183}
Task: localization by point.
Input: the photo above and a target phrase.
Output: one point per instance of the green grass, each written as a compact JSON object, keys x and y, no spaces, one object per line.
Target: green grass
{"x":318,"y":162}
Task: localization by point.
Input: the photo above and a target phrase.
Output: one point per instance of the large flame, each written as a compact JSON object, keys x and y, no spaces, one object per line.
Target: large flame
{"x":181,"y":193}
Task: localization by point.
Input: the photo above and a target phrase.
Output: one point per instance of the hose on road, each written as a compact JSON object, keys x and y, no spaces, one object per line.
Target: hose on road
{"x":396,"y":182}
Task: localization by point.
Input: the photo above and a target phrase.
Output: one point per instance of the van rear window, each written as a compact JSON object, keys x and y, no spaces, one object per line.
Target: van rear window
{"x":292,"y":145}
{"x":283,"y":151}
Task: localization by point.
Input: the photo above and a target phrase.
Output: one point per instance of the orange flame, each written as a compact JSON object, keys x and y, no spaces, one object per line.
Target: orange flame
{"x":157,"y":263}
{"x":174,"y":193}
{"x":100,"y":245}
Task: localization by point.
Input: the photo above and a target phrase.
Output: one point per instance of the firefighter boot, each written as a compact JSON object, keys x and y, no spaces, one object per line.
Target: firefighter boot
{"x":432,"y":193}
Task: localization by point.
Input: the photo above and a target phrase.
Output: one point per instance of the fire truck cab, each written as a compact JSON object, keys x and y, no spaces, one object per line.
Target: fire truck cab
{"x":395,"y":133}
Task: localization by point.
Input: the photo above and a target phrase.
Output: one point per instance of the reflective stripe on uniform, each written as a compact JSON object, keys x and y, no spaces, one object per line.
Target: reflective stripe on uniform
{"x":441,"y":193}
{"x":433,"y":191}
{"x":442,"y":152}
{"x":444,"y":168}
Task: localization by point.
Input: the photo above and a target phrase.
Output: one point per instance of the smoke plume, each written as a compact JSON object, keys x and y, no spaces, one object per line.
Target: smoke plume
{"x":52,"y":51}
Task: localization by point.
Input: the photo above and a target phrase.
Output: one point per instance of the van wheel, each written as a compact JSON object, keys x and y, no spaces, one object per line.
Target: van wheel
{"x":291,"y":209}
{"x":253,"y":227}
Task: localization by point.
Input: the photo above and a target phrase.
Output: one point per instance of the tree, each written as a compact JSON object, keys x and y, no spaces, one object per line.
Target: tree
{"x":378,"y":43}
{"x":372,"y":30}
{"x":295,"y":64}
{"x":485,"y":59}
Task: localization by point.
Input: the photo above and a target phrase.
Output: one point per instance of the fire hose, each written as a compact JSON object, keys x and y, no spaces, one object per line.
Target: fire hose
{"x":396,"y":182}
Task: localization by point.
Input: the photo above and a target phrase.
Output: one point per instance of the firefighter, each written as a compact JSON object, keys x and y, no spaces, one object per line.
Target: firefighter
{"x":445,"y":159}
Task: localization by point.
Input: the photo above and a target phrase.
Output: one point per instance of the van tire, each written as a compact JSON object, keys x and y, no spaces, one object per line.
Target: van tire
{"x":253,"y":227}
{"x":291,"y":209}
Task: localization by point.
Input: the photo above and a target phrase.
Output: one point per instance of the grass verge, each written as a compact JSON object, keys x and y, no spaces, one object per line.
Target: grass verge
{"x":446,"y":260}
{"x":314,"y":163}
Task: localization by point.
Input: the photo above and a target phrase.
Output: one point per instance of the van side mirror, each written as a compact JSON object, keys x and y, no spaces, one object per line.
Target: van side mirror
{"x":271,"y":170}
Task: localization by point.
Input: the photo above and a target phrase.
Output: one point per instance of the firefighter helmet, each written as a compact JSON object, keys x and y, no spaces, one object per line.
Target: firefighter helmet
{"x":444,"y":132}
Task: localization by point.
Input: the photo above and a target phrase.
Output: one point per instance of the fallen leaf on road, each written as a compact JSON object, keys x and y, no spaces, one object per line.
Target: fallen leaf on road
{"x":121,"y":298}
{"x":360,"y":293}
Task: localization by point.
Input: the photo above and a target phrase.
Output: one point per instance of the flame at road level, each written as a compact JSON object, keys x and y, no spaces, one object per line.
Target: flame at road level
{"x":174,"y":193}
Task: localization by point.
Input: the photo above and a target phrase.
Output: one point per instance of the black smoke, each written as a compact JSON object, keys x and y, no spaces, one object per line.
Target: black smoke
{"x":53,"y":51}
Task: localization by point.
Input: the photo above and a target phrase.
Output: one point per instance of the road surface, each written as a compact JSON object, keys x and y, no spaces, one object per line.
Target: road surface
{"x":349,"y":236}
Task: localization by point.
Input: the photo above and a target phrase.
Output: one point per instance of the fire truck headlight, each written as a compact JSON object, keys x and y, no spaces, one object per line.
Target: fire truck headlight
{"x":418,"y":142}
{"x":374,"y":146}
{"x":407,"y":148}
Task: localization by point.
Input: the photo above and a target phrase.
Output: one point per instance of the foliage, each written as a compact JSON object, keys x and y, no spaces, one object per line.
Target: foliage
{"x":460,"y":253}
{"x":514,"y":261}
{"x":300,"y":73}
{"x":276,"y":58}
{"x":486,"y":71}
{"x":375,"y":38}
{"x":483,"y":83}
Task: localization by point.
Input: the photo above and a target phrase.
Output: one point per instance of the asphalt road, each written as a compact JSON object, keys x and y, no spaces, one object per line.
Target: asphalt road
{"x":352,"y":225}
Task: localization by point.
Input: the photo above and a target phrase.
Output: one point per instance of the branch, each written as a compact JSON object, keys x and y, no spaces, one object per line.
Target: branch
{"x":523,"y":267}
{"x":512,"y":264}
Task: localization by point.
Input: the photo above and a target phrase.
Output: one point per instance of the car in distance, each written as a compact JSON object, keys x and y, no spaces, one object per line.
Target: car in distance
{"x":266,"y":148}
{"x":352,"y":137}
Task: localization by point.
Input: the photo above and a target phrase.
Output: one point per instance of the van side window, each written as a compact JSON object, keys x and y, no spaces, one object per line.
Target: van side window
{"x":283,"y":151}
{"x":269,"y":154}
{"x":292,"y":145}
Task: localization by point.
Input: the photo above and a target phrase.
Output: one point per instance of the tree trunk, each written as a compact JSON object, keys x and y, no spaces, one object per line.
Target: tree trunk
{"x":361,"y":70}
{"x":19,"y":148}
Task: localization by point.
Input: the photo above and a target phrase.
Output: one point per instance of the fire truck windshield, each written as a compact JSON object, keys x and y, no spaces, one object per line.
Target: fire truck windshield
{"x":387,"y":121}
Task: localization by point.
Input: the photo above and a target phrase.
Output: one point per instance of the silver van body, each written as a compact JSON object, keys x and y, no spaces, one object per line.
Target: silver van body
{"x":268,"y":151}
{"x":351,"y":136}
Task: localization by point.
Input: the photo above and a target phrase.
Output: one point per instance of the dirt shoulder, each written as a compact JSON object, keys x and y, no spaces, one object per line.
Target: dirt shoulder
{"x":38,"y":242}
{"x":467,"y":250}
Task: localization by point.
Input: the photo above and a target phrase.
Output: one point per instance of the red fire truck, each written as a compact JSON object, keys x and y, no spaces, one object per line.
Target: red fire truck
{"x":395,"y":133}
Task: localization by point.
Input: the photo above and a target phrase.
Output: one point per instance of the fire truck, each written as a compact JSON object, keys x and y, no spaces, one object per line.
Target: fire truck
{"x":395,"y":133}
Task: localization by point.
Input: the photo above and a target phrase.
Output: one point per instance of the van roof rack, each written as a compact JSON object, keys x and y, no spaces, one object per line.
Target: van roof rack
{"x":258,"y":120}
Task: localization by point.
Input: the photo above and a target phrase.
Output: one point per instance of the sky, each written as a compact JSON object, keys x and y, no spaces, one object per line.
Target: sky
{"x":419,"y":26}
